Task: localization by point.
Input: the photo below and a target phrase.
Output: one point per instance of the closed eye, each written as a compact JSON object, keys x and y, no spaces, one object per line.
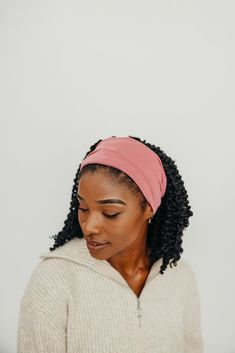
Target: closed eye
{"x":106,"y":215}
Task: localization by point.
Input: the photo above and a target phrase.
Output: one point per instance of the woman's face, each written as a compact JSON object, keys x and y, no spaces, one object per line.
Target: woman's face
{"x":110,"y":213}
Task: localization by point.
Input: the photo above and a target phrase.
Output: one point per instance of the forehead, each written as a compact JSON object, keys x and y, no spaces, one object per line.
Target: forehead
{"x":100,"y":184}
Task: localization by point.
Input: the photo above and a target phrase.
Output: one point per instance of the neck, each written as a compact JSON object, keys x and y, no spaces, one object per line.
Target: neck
{"x":131,"y":262}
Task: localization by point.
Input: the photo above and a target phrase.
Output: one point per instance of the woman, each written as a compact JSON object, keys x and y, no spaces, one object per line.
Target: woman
{"x":108,"y":284}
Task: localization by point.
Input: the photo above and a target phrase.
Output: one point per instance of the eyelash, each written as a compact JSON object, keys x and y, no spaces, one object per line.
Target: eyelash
{"x":108,"y":216}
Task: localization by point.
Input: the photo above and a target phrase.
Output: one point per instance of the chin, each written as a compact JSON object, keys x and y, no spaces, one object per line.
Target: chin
{"x":99,"y":256}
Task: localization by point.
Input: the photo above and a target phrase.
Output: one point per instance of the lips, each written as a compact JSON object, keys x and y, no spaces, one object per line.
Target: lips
{"x":96,"y":243}
{"x":94,"y":247}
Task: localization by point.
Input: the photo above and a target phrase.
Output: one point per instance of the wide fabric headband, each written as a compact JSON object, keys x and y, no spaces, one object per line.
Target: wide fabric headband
{"x":135,"y":159}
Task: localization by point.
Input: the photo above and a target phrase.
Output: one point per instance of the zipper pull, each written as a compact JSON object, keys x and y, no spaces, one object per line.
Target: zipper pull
{"x":139,"y":312}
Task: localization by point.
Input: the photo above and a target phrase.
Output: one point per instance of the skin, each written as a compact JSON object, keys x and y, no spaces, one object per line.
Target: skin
{"x":126,"y":233}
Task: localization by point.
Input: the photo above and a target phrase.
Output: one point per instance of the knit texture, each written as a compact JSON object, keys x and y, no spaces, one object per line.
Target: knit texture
{"x":74,"y":303}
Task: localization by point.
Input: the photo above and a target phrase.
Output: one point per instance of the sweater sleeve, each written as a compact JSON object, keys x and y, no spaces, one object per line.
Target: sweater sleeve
{"x":43,"y":311}
{"x":193,"y":340}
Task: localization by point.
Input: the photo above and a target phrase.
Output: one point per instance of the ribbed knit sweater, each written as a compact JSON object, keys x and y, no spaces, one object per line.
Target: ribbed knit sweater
{"x":74,"y":303}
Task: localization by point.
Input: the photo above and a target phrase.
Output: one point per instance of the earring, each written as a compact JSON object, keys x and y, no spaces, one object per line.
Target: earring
{"x":150,"y":219}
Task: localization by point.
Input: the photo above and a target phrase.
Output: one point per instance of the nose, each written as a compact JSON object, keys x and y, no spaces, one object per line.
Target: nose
{"x":91,"y":225}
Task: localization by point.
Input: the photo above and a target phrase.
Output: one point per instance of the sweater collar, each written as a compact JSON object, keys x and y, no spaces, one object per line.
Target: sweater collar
{"x":75,"y":250}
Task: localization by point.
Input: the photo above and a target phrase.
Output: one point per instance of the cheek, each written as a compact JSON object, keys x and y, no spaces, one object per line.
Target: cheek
{"x":122,"y":232}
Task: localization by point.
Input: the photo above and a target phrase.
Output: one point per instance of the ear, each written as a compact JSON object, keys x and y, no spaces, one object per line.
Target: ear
{"x":148,"y":212}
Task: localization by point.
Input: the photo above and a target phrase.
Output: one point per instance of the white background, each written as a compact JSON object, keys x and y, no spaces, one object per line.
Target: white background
{"x":73,"y":72}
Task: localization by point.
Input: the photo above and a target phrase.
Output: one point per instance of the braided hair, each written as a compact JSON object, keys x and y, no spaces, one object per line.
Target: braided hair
{"x":164,"y":236}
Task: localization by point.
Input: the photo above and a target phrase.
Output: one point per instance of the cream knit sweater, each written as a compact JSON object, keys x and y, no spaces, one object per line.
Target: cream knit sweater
{"x":74,"y":303}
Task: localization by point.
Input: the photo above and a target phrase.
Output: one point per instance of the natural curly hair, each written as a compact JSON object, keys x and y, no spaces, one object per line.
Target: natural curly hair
{"x":164,"y":236}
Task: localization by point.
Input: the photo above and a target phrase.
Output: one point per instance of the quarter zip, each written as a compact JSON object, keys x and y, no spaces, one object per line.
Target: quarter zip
{"x":139,"y":309}
{"x":139,"y":313}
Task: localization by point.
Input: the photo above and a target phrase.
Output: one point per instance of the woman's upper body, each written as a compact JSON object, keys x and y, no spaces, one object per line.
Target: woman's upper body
{"x":75,"y":303}
{"x":122,"y":294}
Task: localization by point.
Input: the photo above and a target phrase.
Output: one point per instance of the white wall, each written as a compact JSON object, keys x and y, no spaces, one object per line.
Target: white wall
{"x":73,"y":72}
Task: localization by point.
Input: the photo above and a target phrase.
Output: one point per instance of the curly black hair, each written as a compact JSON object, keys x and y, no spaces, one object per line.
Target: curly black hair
{"x":164,"y":236}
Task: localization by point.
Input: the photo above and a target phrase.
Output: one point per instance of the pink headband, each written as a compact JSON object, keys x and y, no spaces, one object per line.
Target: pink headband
{"x":136,"y":160}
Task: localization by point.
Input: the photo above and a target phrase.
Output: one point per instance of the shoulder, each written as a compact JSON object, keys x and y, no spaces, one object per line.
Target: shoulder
{"x":183,"y":273}
{"x":187,"y":279}
{"x":46,"y":283}
{"x":48,"y":271}
{"x":184,"y":267}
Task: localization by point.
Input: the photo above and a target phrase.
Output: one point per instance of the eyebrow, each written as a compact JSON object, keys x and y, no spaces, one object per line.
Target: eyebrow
{"x":104,"y":202}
